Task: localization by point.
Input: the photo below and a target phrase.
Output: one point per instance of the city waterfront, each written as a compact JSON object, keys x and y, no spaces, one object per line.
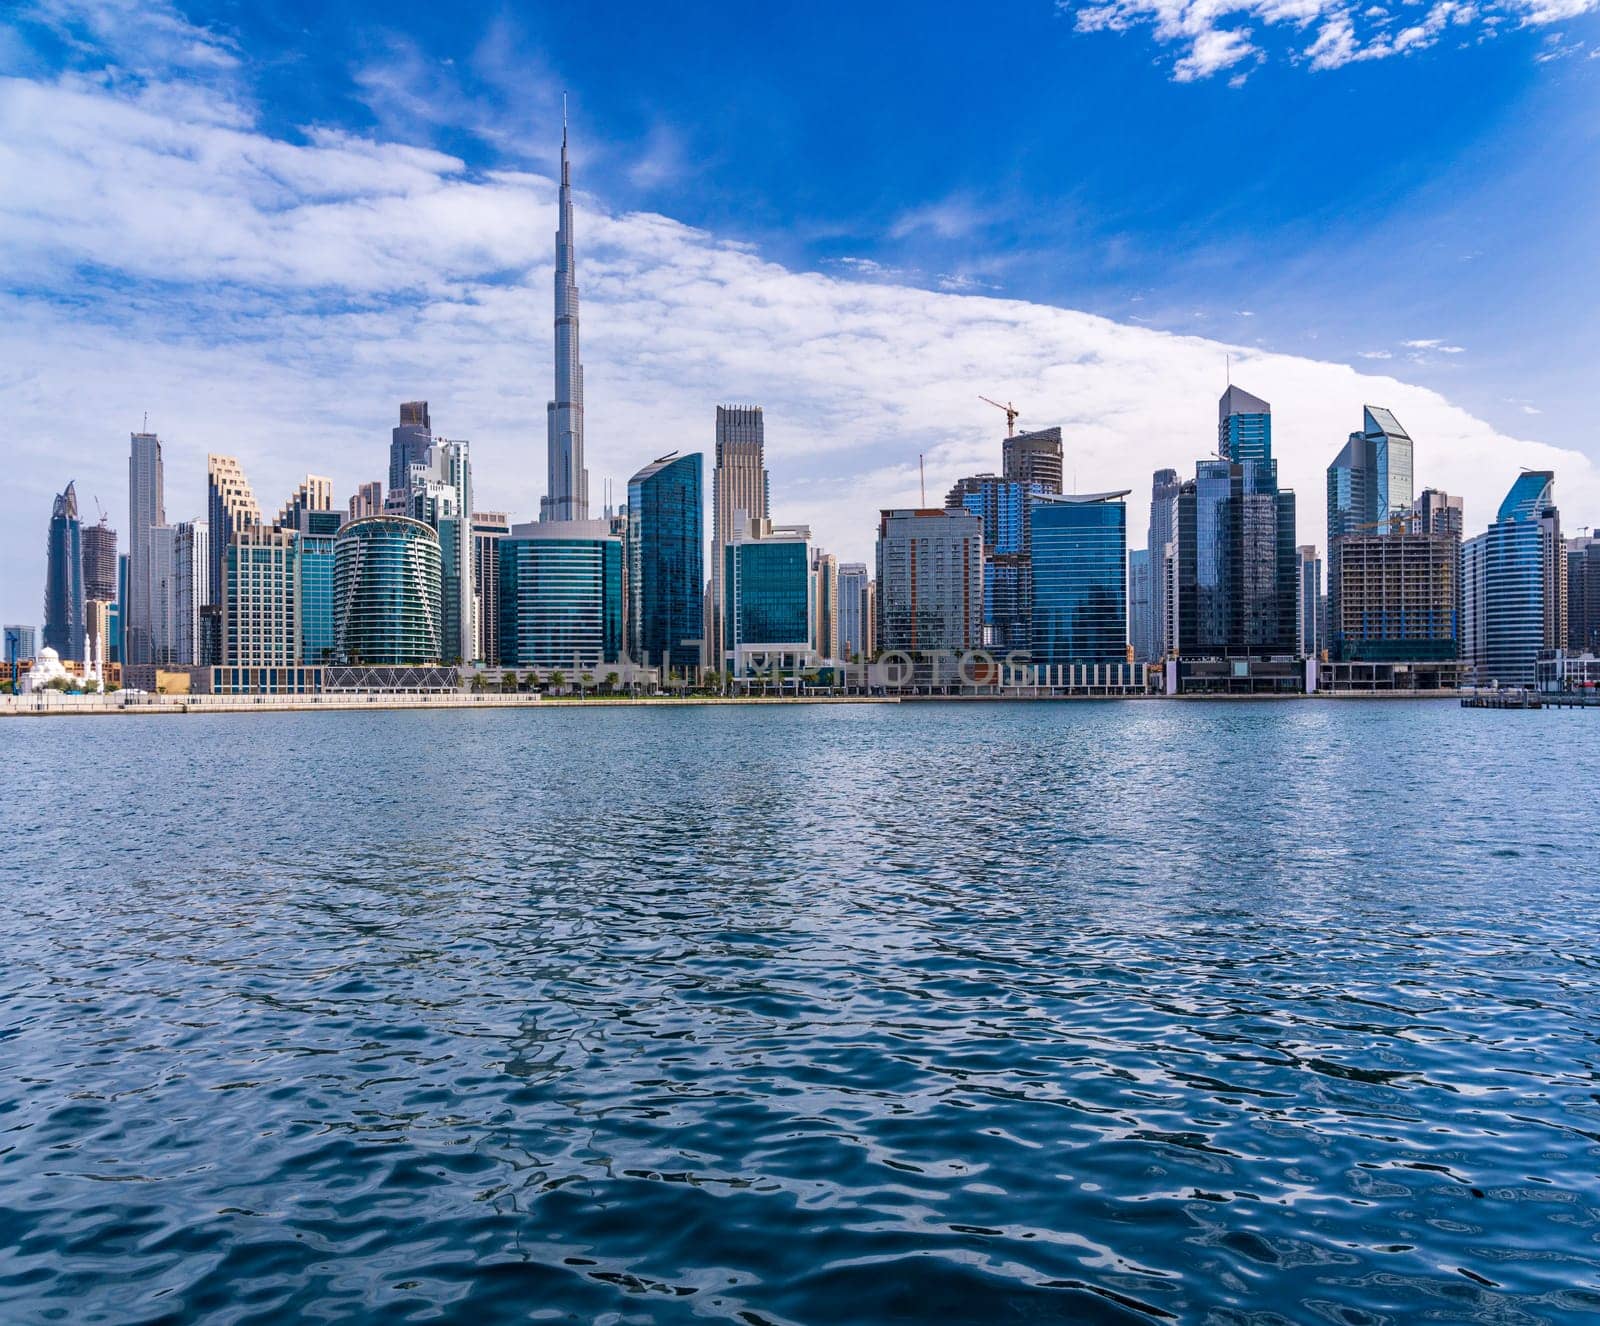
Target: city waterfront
{"x":1211,"y":1011}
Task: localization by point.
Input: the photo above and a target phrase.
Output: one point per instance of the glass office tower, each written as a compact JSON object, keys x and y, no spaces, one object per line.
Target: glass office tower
{"x":1080,"y":579}
{"x":666,"y":562}
{"x":1515,"y":580}
{"x":561,"y":595}
{"x":63,"y":582}
{"x":766,"y":580}
{"x":387,"y":596}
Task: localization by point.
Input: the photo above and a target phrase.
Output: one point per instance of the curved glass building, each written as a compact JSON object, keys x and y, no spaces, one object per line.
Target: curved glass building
{"x":387,"y":592}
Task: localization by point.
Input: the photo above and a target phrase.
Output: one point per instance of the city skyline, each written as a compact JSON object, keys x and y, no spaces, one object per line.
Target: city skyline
{"x":840,"y":447}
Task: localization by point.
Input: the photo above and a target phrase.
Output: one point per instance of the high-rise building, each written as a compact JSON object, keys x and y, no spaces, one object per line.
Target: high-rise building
{"x":146,"y":510}
{"x":488,"y":528}
{"x":63,"y":583}
{"x":1034,"y":458}
{"x":561,"y":595}
{"x":855,"y":612}
{"x":315,"y":535}
{"x":100,"y":562}
{"x":1003,"y":505}
{"x":314,"y":494}
{"x":1141,"y":609}
{"x":368,"y":500}
{"x":1399,"y":595}
{"x":387,"y":596}
{"x":261,"y":598}
{"x":824,"y":605}
{"x":767,"y":613}
{"x":20,"y":643}
{"x":408,"y":446}
{"x":1583,"y":594}
{"x":441,"y":496}
{"x":665,"y":562}
{"x":567,"y":482}
{"x":1080,"y":579}
{"x":230,"y":509}
{"x":166,"y":608}
{"x":929,"y":581}
{"x":1515,"y":581}
{"x":1309,"y":603}
{"x":1369,"y":486}
{"x":739,"y":494}
{"x":120,"y":609}
{"x":1435,"y":512}
{"x":1233,"y":572}
{"x":1163,"y":492}
{"x":191,"y":573}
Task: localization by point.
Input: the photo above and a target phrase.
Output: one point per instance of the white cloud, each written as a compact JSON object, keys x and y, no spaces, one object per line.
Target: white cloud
{"x":1215,"y":35}
{"x":276,"y":300}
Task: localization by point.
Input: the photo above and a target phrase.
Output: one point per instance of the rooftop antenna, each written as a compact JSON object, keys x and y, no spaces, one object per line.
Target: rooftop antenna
{"x":922,"y":471}
{"x":1229,"y":368}
{"x":145,"y":427}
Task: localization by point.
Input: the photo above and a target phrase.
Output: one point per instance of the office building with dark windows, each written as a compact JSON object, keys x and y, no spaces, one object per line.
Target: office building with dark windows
{"x":855,"y":612}
{"x":1080,"y":579}
{"x":666,"y":563}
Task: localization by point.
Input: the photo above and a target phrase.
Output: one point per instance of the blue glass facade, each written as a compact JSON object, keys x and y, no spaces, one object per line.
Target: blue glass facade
{"x":1003,"y":505}
{"x":317,"y":644}
{"x":666,"y":562}
{"x":560,"y":601}
{"x":767,"y":593}
{"x":63,"y":584}
{"x":1514,"y":581}
{"x":1080,"y":580}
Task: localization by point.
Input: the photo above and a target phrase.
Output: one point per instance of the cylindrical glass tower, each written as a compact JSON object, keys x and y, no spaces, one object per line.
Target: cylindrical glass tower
{"x":387,"y":600}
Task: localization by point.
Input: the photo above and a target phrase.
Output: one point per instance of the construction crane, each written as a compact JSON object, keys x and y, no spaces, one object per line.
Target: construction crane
{"x":101,"y":510}
{"x":1011,"y":414}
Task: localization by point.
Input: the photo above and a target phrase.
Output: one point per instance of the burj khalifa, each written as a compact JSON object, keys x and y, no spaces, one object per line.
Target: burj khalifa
{"x":567,"y":489}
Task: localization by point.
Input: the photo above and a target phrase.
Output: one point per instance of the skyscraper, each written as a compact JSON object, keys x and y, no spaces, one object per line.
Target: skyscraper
{"x":1515,"y":580}
{"x":1233,"y":574}
{"x":738,"y":485}
{"x":191,"y":572}
{"x":488,"y":528}
{"x":1399,"y":595}
{"x":767,"y":614}
{"x":1080,"y":579}
{"x":100,"y":562}
{"x":930,"y":580}
{"x":1003,"y":505}
{"x":1141,"y":614}
{"x":561,"y":595}
{"x":63,"y":582}
{"x":367,"y":501}
{"x":314,"y":494}
{"x":1309,"y":605}
{"x":1583,"y":594}
{"x":147,"y":509}
{"x":1034,"y":458}
{"x":387,"y":608}
{"x":1163,"y":489}
{"x":230,"y":509}
{"x":1435,"y":512}
{"x":1369,"y":484}
{"x":824,"y":605}
{"x":567,"y":483}
{"x":441,"y":497}
{"x":261,"y":599}
{"x":666,"y":562}
{"x":855,"y":612}
{"x":408,"y":445}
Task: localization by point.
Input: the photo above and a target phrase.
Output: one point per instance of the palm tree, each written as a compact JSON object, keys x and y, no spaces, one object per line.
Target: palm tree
{"x":558,"y":680}
{"x":613,"y":679}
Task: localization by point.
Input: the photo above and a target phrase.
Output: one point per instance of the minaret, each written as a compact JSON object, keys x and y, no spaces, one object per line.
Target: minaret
{"x":567,"y":489}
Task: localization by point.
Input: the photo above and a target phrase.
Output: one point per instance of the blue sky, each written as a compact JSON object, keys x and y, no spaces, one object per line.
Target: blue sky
{"x":232,"y":210}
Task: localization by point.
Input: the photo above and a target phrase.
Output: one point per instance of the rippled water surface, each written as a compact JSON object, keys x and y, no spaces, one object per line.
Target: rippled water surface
{"x":968,"y":1013}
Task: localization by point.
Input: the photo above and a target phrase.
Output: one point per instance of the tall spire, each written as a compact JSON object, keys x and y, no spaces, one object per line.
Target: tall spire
{"x":567,"y":486}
